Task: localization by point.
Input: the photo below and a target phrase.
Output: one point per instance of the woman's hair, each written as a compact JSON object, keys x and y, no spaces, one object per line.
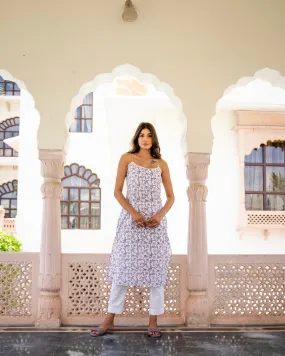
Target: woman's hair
{"x":155,"y":148}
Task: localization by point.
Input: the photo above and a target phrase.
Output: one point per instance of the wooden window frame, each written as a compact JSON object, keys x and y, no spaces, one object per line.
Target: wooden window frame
{"x":81,"y":118}
{"x":6,"y":188}
{"x":4,"y":127}
{"x":264,"y":193}
{"x":91,"y":185}
{"x":16,"y":91}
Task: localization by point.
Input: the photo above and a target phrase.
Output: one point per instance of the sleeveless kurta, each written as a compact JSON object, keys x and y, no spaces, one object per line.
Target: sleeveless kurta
{"x":141,"y":256}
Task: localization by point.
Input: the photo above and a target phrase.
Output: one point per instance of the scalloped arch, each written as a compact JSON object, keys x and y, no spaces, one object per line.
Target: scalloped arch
{"x":128,"y":69}
{"x":9,"y":187}
{"x":74,"y":169}
{"x":272,"y":77}
{"x":9,"y":123}
{"x":8,"y":76}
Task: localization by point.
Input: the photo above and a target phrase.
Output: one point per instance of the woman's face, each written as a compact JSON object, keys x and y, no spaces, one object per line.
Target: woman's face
{"x":145,"y":139}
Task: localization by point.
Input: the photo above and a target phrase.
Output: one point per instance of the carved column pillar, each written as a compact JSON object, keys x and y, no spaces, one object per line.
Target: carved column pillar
{"x":49,"y":305}
{"x":197,"y":308}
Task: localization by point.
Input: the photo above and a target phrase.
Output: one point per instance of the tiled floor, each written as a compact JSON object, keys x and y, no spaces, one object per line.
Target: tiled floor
{"x":136,"y":343}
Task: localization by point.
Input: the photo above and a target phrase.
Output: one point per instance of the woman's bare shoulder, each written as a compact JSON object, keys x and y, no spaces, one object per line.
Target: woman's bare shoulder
{"x":126,"y":158}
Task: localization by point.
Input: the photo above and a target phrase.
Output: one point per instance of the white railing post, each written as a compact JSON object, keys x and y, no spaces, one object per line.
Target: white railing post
{"x":197,"y":308}
{"x":49,"y":304}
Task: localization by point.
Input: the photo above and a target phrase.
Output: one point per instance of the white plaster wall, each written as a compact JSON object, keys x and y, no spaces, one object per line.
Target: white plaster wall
{"x":114,"y":122}
{"x":8,"y":173}
{"x":29,"y":215}
{"x":198,"y":47}
{"x":9,"y":107}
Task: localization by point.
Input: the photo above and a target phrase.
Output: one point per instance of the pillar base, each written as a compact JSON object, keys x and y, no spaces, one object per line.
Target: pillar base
{"x":48,"y":324}
{"x":197,"y":310}
{"x":49,"y":308}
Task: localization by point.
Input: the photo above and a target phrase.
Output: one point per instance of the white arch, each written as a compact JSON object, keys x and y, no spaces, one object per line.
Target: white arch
{"x":265,"y":89}
{"x":129,"y":70}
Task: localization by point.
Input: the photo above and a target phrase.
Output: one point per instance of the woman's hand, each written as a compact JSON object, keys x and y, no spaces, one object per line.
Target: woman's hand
{"x":139,"y":219}
{"x":154,"y":222}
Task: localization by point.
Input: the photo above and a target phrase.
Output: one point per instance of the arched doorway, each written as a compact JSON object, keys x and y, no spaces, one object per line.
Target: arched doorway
{"x":256,"y":98}
{"x":120,"y":101}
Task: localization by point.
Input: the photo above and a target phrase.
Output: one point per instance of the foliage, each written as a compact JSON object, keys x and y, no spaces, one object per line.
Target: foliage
{"x":9,"y":243}
{"x":8,"y":273}
{"x":278,"y":182}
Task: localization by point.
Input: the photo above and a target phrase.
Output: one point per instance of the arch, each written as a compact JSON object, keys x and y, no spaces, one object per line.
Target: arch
{"x":81,"y":199}
{"x":80,"y":171}
{"x":270,"y":95}
{"x":8,"y":196}
{"x":128,"y":70}
{"x":262,"y":92}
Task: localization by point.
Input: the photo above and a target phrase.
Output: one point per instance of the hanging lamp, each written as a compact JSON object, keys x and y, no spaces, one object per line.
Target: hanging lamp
{"x":129,"y":14}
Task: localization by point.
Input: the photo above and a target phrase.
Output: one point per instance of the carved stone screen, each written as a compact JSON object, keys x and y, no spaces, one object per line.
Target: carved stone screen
{"x":88,"y":292}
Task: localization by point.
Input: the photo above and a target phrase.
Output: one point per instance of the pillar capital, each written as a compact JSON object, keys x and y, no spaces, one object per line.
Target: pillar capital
{"x":52,"y":167}
{"x":197,"y":166}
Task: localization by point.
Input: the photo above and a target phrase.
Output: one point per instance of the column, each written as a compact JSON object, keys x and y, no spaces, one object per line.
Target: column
{"x":197,"y":308}
{"x":49,"y":304}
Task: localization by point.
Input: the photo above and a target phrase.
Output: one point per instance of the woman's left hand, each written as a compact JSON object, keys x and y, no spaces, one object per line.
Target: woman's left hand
{"x":154,"y":222}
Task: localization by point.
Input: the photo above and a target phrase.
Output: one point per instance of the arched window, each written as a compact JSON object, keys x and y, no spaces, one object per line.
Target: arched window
{"x":83,"y":116}
{"x":8,"y":198}
{"x":81,"y":199}
{"x":8,"y":88}
{"x":265,"y":177}
{"x":8,"y":128}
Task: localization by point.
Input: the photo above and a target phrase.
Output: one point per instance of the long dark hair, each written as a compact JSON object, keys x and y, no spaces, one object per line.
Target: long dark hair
{"x":155,"y":148}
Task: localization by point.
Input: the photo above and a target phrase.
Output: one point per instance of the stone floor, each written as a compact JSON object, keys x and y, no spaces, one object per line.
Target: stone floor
{"x":59,"y":343}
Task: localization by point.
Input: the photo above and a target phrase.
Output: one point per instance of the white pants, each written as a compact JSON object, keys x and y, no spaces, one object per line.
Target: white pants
{"x":117,"y":298}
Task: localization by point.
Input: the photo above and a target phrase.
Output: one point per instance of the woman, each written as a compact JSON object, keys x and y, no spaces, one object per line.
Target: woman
{"x":141,"y":250}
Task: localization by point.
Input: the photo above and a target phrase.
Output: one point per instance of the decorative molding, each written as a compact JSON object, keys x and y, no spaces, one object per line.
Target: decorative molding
{"x":197,"y":166}
{"x":197,"y":192}
{"x":52,"y":166}
{"x":49,"y":310}
{"x":198,"y":310}
{"x":51,"y":190}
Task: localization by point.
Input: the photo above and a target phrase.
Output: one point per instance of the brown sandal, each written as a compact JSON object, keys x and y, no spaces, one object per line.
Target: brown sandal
{"x":151,"y":333}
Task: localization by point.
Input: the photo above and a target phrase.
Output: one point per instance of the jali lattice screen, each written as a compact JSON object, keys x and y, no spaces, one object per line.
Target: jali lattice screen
{"x":88,"y":293}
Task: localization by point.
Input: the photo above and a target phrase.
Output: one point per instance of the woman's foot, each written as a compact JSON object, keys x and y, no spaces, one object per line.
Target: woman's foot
{"x":102,"y":329}
{"x":153,"y":330}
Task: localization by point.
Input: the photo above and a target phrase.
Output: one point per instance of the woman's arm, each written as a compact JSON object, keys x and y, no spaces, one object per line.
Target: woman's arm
{"x":118,"y":192}
{"x":166,"y":181}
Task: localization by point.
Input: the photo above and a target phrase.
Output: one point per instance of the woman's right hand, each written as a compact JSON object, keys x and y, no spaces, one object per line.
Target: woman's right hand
{"x":139,"y":219}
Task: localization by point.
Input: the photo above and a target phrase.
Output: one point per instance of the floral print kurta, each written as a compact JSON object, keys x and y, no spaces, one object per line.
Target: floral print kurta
{"x":140,"y":256}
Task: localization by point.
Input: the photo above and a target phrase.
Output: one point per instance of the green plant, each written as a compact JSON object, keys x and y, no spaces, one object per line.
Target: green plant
{"x":9,"y":243}
{"x":8,"y":273}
